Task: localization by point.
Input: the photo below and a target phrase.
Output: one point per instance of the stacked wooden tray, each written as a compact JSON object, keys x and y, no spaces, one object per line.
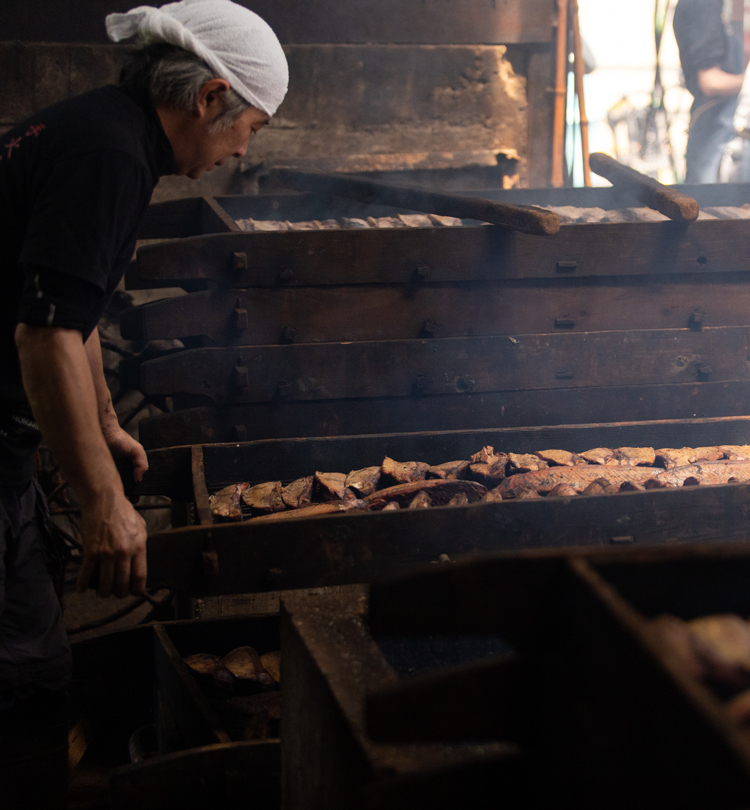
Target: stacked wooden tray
{"x":322,"y":333}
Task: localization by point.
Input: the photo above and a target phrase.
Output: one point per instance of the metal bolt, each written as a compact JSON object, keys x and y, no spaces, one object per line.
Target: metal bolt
{"x":464,"y":384}
{"x":240,"y":378}
{"x":696,"y":320}
{"x":240,"y":318}
{"x":273,"y":575}
{"x":288,"y":334}
{"x":704,"y":371}
{"x":284,"y":388}
{"x":567,"y":267}
{"x":239,"y":262}
{"x":239,"y":433}
{"x":286,"y":275}
{"x":429,"y":328}
{"x":210,"y":564}
{"x":422,"y":383}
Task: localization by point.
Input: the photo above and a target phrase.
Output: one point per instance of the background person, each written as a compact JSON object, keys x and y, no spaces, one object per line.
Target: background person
{"x":713,"y":64}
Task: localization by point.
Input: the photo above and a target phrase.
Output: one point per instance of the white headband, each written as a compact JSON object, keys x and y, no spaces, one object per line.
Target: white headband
{"x":234,"y":41}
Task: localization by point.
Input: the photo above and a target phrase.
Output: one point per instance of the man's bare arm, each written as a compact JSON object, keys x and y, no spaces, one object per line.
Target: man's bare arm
{"x":716,"y":82}
{"x":120,"y":443}
{"x":59,"y":384}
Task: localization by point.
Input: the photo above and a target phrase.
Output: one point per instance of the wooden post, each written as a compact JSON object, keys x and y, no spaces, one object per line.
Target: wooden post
{"x":579,"y":69}
{"x":558,"y":132}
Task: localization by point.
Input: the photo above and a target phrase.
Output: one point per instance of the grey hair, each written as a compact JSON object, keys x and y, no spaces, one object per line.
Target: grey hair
{"x":173,"y":77}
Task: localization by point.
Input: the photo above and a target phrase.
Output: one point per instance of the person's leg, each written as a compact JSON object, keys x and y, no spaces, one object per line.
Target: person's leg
{"x":709,"y":134}
{"x":35,"y":661}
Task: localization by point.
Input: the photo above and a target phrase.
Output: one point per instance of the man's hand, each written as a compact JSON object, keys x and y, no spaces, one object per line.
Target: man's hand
{"x":58,"y":380}
{"x":122,"y":445}
{"x":114,"y":538}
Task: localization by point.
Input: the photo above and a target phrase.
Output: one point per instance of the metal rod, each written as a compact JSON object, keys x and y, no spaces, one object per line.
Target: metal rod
{"x":578,"y":67}
{"x":558,"y":129}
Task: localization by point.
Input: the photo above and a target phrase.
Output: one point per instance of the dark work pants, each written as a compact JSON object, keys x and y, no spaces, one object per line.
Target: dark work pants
{"x":35,"y":658}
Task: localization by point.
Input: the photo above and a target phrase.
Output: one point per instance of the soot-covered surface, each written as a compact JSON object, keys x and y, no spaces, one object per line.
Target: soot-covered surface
{"x":419,"y":656}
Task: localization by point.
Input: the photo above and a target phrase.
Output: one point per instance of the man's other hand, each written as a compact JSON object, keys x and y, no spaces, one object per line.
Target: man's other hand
{"x":114,"y":538}
{"x":122,"y":445}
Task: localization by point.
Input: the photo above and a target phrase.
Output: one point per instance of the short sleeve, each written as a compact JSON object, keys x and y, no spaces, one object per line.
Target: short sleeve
{"x":700,"y":34}
{"x":85,"y":214}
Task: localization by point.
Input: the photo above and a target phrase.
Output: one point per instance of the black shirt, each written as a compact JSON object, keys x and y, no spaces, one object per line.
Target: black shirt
{"x":75,"y":182}
{"x":704,"y":43}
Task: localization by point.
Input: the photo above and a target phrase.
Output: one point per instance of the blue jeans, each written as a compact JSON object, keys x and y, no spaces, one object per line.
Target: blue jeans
{"x":711,"y":129}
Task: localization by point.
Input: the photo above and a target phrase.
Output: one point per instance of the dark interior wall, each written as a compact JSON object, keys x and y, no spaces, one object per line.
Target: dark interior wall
{"x":401,"y":80}
{"x":312,"y":21}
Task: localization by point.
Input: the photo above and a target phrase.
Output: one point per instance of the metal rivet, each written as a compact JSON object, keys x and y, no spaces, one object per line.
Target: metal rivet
{"x":429,"y":328}
{"x":284,"y":388}
{"x":622,"y":539}
{"x":239,"y":262}
{"x":422,"y":271}
{"x":702,"y":261}
{"x":564,"y":323}
{"x":240,"y":318}
{"x":564,"y":375}
{"x":239,"y":433}
{"x":696,"y":320}
{"x":567,"y":267}
{"x":464,"y":384}
{"x":422,"y":383}
{"x":288,"y":333}
{"x":286,"y":275}
{"x":241,"y":378}
{"x":704,"y":371}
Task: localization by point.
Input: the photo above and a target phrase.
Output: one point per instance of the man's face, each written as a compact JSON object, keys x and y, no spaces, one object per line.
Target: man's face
{"x":200,"y":144}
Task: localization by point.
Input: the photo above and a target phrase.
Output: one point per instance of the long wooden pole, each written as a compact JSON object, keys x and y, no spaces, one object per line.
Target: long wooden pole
{"x":523,"y":218}
{"x":558,"y":130}
{"x":579,"y":69}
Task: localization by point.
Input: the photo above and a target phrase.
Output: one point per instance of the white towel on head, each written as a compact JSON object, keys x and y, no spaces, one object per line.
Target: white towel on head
{"x":239,"y":45}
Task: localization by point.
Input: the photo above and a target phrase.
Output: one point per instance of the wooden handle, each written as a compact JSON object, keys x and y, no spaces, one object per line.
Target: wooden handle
{"x":665,"y":199}
{"x":523,"y":218}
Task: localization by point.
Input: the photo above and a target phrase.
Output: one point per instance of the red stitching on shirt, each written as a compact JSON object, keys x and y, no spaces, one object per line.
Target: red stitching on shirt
{"x":35,"y":129}
{"x":11,"y":145}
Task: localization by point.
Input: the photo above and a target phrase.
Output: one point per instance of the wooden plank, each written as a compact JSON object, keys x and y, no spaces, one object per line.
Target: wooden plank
{"x":200,"y":491}
{"x":403,"y":312}
{"x":439,"y":413}
{"x":665,"y":738}
{"x":476,"y":253}
{"x":294,"y":458}
{"x":210,"y":776}
{"x":214,"y":219}
{"x":363,"y":547}
{"x":403,"y":368}
{"x":287,"y":459}
{"x":325,"y":21}
{"x":263,"y":604}
{"x":540,"y":81}
{"x":485,"y":700}
{"x":333,"y":662}
{"x":169,"y":473}
{"x":189,"y":711}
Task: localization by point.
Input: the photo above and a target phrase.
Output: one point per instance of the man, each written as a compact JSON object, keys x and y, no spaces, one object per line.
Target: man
{"x":713,"y":64}
{"x":75,"y":181}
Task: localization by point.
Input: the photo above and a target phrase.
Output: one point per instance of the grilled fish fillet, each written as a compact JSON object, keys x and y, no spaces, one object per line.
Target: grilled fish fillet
{"x":543,"y":481}
{"x":708,"y":472}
